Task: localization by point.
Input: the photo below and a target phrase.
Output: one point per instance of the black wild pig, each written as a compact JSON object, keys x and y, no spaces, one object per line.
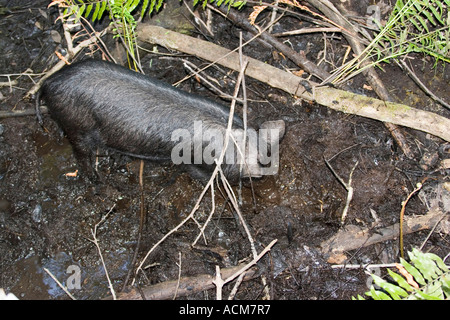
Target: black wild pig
{"x":100,"y":105}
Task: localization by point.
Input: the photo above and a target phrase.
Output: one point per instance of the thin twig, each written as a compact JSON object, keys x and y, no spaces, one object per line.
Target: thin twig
{"x":305,"y":31}
{"x":200,"y":21}
{"x":347,"y":186}
{"x":431,"y":232}
{"x":95,"y":241}
{"x":188,"y":65}
{"x":219,"y":282}
{"x":236,"y":286}
{"x":273,"y":16}
{"x":211,"y":213}
{"x":60,"y":284}
{"x":421,"y":85}
{"x":83,"y":44}
{"x":402,"y":214}
{"x":179,"y":276}
{"x":365,"y":266}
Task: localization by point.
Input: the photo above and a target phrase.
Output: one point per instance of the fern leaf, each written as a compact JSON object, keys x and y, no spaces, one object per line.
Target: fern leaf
{"x":401,"y":281}
{"x":102,"y":9}
{"x":88,"y":10}
{"x":436,"y":14}
{"x":377,"y":295}
{"x":429,"y":16}
{"x":414,"y":272}
{"x":159,"y":4}
{"x":425,"y":296}
{"x":96,"y":11}
{"x":80,"y":12}
{"x":429,"y":270}
{"x":425,"y":264}
{"x":394,"y":291}
{"x":438,"y":261}
{"x":144,"y":8}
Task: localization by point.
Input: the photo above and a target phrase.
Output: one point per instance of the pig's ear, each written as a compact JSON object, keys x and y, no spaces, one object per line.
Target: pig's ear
{"x":276,"y":124}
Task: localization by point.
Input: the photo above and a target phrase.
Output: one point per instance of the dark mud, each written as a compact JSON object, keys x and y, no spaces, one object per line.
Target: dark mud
{"x":47,"y":218}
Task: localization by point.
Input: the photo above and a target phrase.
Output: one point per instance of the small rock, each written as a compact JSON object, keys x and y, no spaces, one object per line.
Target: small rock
{"x":36,"y":215}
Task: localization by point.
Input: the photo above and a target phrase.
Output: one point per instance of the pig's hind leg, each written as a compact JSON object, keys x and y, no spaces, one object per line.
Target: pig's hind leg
{"x":84,"y":148}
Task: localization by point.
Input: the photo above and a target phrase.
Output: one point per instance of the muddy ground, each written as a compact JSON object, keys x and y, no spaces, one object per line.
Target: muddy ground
{"x":46,"y":219}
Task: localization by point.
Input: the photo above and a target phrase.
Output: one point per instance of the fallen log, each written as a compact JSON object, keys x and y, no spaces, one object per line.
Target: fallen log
{"x":336,"y":99}
{"x":182,"y":287}
{"x":353,"y":237}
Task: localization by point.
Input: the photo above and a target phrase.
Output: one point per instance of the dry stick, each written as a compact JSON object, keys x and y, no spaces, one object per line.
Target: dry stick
{"x":95,"y":241}
{"x":186,"y":286}
{"x":233,"y":201}
{"x":416,"y":79}
{"x":9,"y":84}
{"x":60,"y":284}
{"x":347,"y":186}
{"x":243,"y":61}
{"x":61,"y":63}
{"x":21,"y":113}
{"x":273,"y":16}
{"x":189,"y":65}
{"x":219,"y":282}
{"x":298,"y":58}
{"x":179,"y":276}
{"x":365,"y":266}
{"x":236,"y":286}
{"x":402,"y":214}
{"x":305,"y":31}
{"x":354,"y":237}
{"x":430,"y":233}
{"x":207,"y":26}
{"x":211,"y":213}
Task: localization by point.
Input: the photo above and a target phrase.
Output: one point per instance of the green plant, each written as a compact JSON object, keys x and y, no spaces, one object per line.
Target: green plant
{"x":98,"y":7}
{"x":121,"y":13}
{"x":425,"y":278}
{"x":421,"y":26}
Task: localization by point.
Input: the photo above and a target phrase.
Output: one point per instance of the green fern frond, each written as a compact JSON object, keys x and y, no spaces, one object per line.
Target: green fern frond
{"x":84,"y":7}
{"x":421,"y":26}
{"x":428,"y":271}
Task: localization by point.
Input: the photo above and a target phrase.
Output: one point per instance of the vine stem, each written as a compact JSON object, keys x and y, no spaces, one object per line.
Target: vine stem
{"x":402,"y":214}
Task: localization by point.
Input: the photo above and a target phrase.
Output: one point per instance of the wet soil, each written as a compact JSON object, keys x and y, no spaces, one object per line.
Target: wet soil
{"x":47,"y":218}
